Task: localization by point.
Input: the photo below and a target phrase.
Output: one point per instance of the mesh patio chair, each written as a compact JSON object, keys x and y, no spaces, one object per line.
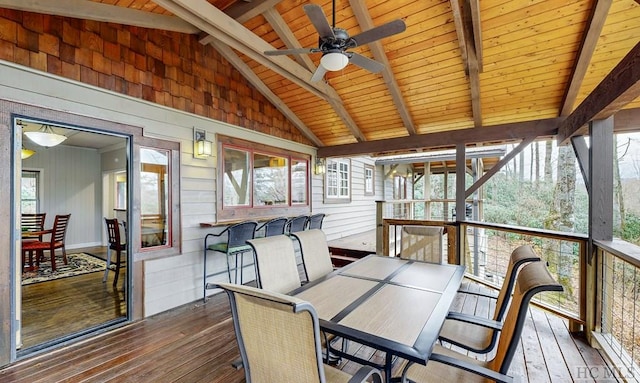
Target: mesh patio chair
{"x":422,"y":243}
{"x":235,"y":246}
{"x":56,"y":241}
{"x":446,"y":365}
{"x":297,"y":224}
{"x":273,"y":227}
{"x":465,"y":330}
{"x":279,"y":339}
{"x":275,"y":263}
{"x":315,"y":221}
{"x":316,"y":259}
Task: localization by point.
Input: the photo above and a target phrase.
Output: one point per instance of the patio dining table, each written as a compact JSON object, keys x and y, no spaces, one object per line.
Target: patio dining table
{"x":394,"y":305}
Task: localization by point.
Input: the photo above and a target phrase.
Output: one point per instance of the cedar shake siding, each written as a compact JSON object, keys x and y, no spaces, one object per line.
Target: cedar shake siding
{"x":168,"y":68}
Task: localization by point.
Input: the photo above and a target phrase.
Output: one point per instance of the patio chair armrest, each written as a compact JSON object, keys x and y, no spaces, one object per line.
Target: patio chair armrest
{"x":471,"y":367}
{"x":364,"y":373}
{"x":479,"y":293}
{"x":472,"y":319}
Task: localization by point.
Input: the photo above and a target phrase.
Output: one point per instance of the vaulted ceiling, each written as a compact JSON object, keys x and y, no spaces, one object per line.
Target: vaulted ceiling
{"x":463,"y":71}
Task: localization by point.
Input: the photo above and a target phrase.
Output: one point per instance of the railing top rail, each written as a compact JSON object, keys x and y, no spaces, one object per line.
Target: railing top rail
{"x":531,"y":231}
{"x":621,"y":249}
{"x":417,"y":222}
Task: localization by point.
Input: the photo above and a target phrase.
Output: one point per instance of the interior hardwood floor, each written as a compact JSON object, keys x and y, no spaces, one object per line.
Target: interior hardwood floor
{"x":196,"y":343}
{"x":57,"y":308}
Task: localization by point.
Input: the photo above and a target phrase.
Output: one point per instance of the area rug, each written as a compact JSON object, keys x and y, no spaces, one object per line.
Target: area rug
{"x":78,"y":263}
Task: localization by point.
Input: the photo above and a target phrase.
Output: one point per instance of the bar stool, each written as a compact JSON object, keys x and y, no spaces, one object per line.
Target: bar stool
{"x":273,"y":227}
{"x":235,"y":245}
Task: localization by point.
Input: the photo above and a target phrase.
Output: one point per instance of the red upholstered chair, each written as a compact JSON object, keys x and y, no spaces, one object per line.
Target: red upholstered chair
{"x":56,"y":241}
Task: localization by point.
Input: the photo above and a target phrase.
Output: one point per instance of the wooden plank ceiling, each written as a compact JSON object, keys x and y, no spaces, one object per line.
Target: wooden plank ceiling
{"x":463,"y":71}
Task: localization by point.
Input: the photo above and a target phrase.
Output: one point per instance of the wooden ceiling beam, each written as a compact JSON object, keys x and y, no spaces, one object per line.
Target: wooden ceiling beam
{"x":505,"y":132}
{"x":617,"y":89}
{"x":89,"y":10}
{"x":286,"y":35}
{"x":243,"y":11}
{"x":246,"y":71}
{"x":376,"y":47}
{"x":216,"y":23}
{"x":456,"y":10}
{"x":588,"y":45}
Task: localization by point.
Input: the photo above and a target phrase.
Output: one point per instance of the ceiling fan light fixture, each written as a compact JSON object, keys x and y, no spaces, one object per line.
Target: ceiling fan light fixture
{"x":46,"y":137}
{"x":334,"y":61}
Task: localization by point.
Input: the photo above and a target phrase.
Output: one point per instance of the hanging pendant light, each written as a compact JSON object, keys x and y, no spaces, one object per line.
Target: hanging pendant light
{"x":46,"y":137}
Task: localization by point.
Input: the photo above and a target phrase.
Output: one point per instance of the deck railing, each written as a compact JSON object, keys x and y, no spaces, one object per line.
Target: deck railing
{"x":617,"y":319}
{"x":602,"y":292}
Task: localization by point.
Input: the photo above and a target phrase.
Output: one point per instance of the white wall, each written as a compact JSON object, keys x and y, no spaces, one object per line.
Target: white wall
{"x":63,"y":169}
{"x":173,"y":281}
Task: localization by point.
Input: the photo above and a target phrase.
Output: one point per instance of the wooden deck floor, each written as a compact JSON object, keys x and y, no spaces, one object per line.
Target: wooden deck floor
{"x":196,"y":343}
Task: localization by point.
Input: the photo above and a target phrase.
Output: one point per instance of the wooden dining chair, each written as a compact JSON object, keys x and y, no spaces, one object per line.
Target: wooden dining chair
{"x":276,"y":267}
{"x":316,"y":259}
{"x":465,"y":330}
{"x":446,"y":365}
{"x":279,"y":339}
{"x":56,"y":241}
{"x":117,"y":245}
{"x":31,"y":223}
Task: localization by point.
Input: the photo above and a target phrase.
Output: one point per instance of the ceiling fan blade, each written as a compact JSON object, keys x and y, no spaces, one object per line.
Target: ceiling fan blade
{"x":365,"y":62}
{"x":296,"y":51}
{"x":318,"y":74}
{"x":319,"y":20}
{"x":382,"y":31}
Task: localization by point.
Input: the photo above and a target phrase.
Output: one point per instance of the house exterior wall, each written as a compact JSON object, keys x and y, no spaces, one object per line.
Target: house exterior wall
{"x":166,"y":84}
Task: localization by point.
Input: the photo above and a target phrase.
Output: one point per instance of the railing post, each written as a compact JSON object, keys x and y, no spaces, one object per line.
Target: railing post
{"x":379,"y":234}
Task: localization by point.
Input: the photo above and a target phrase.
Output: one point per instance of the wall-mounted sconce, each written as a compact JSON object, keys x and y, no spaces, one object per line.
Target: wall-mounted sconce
{"x":319,"y":167}
{"x":26,"y":153}
{"x":201,"y":147}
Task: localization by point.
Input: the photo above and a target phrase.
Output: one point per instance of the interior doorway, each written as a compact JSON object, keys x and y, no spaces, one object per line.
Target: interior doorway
{"x":84,"y":178}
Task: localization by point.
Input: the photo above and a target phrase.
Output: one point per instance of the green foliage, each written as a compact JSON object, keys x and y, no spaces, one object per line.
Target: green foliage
{"x":631,"y":230}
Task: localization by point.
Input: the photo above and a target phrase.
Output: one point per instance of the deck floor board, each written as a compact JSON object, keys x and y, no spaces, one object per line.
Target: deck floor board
{"x":196,"y":343}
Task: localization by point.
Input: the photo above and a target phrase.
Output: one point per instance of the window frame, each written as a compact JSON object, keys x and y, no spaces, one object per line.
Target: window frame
{"x":329,"y":197}
{"x":369,"y":188}
{"x":226,"y":213}
{"x":37,"y":175}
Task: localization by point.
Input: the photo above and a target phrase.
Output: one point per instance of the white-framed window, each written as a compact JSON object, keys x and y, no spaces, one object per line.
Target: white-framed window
{"x":30,"y":191}
{"x":338,"y":181}
{"x":369,"y":180}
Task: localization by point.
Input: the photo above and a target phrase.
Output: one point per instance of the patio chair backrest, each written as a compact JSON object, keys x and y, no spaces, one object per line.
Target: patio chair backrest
{"x":315,"y":221}
{"x":422,"y":243}
{"x":521,"y":255}
{"x":239,"y":233}
{"x":531,"y":280}
{"x":297,"y":224}
{"x":276,"y":263}
{"x":275,"y":226}
{"x":278,"y":335}
{"x":315,"y":253}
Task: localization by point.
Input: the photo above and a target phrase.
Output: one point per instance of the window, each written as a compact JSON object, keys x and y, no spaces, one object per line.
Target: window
{"x":154,"y":196}
{"x":369,"y":180}
{"x":338,"y":181}
{"x":260,"y":181}
{"x":30,"y":192}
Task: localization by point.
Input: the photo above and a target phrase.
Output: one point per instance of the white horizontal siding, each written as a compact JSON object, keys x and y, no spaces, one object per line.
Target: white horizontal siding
{"x":176,"y":280}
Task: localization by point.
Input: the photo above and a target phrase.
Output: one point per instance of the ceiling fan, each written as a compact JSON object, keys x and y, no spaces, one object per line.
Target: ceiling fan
{"x":334,"y":42}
